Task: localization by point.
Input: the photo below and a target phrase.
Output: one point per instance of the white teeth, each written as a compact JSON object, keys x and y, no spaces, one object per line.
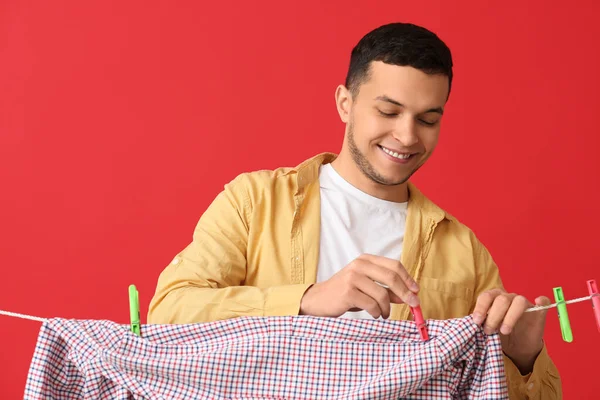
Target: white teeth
{"x":394,"y":154}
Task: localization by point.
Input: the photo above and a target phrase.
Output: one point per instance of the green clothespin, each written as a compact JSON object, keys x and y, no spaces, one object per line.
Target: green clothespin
{"x":563,"y":316}
{"x":134,"y":310}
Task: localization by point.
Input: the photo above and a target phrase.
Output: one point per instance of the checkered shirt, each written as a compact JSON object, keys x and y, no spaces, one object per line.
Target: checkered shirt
{"x":295,"y":357}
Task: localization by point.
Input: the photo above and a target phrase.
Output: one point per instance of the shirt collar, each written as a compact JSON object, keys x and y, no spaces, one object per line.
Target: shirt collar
{"x":307,"y":173}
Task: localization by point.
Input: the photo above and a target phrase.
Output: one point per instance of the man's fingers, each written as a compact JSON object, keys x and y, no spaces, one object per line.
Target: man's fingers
{"x":391,"y":280}
{"x":497,"y":312}
{"x":395,"y":266}
{"x":517,"y":307}
{"x":364,"y":302}
{"x":483,"y":304}
{"x":376,"y":292}
{"x":394,"y":298}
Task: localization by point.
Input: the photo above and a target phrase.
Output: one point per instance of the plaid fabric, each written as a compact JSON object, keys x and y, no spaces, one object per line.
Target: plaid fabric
{"x":294,"y":357}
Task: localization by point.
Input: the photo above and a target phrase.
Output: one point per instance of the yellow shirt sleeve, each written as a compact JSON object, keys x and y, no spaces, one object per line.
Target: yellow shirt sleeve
{"x":204,"y":282}
{"x":544,"y":381}
{"x":541,"y":384}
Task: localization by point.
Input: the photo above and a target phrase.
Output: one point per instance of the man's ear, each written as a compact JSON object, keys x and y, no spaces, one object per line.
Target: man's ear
{"x":343,"y":101}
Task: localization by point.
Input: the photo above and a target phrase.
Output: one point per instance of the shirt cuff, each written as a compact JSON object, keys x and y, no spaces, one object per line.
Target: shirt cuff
{"x":527,"y":386}
{"x":284,"y":300}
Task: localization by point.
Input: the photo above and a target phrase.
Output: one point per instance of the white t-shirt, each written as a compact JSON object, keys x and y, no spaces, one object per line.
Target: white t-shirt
{"x":354,"y":222}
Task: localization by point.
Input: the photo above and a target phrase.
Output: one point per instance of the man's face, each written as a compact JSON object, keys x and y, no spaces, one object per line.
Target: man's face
{"x":393,"y":123}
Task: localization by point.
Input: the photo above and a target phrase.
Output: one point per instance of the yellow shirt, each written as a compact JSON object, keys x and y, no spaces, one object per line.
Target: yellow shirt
{"x":255,"y":252}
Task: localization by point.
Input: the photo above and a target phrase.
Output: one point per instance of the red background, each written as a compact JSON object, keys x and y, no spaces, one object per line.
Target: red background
{"x":120,"y":122}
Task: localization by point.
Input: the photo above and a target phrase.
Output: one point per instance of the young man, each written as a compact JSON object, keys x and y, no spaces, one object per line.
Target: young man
{"x":348,"y":235}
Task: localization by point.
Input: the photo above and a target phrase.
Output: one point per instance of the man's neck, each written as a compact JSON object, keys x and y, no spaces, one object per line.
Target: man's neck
{"x":347,"y":168}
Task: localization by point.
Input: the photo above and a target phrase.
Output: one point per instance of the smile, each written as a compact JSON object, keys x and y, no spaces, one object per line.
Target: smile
{"x":399,"y":156}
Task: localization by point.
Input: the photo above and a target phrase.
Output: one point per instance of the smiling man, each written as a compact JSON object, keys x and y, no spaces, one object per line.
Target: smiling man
{"x":348,"y":235}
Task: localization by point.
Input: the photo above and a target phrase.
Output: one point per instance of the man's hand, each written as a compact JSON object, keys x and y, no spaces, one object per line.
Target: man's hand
{"x":521,"y":333}
{"x":356,"y":288}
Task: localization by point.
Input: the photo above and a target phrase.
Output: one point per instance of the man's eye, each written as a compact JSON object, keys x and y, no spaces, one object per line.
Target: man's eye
{"x":387,"y":114}
{"x":428,"y":123}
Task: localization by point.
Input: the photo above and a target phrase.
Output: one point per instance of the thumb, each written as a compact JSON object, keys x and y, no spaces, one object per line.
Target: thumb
{"x":543,"y":301}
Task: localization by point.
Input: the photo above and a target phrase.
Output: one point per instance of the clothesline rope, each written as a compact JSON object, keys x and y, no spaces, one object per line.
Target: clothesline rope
{"x":23,"y":316}
{"x":536,"y":308}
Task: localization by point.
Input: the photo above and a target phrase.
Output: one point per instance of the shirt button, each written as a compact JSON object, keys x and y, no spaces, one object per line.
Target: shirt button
{"x":530,"y":386}
{"x":175,"y":261}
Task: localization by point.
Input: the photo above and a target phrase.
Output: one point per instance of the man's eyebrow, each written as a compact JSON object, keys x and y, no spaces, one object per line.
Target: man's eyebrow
{"x":387,"y":99}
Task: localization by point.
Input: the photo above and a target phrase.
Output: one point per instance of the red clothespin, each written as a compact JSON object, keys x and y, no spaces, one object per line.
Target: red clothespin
{"x":421,"y":325}
{"x":593,"y":289}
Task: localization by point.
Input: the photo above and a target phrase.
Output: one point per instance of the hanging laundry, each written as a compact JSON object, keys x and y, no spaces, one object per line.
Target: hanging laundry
{"x":296,"y":357}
